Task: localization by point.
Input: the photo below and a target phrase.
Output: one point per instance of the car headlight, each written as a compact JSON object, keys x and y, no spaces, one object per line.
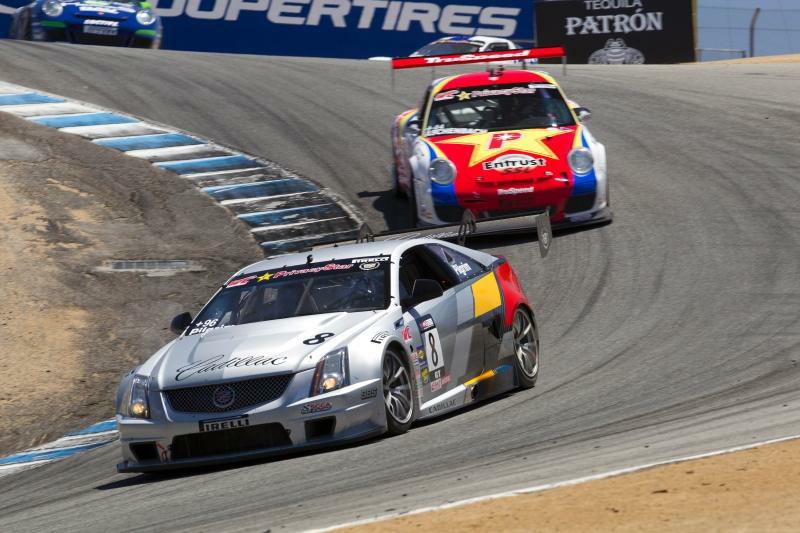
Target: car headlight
{"x":136,"y":401}
{"x":442,"y":171}
{"x":331,"y":372}
{"x":145,"y":17}
{"x":581,"y":160}
{"x":52,"y":8}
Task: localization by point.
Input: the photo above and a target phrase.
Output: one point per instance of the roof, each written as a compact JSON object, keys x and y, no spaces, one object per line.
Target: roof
{"x":481,"y":79}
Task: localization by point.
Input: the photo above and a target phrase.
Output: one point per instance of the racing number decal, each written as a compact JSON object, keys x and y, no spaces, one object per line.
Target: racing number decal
{"x":319,"y":338}
{"x":433,"y":346}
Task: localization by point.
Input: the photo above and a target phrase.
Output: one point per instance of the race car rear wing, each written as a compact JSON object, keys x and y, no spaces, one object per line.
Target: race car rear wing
{"x":469,"y":228}
{"x":522,"y":54}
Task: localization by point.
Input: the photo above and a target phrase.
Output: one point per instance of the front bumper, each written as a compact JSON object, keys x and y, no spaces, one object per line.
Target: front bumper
{"x":130,"y":37}
{"x":172,"y":440}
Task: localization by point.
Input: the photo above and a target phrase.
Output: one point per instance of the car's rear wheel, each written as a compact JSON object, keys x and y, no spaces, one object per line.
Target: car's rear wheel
{"x":526,"y":348}
{"x":398,"y":394}
{"x":412,"y":206}
{"x":398,"y":191}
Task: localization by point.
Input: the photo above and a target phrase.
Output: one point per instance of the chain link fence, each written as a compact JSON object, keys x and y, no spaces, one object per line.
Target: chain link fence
{"x":731,"y":32}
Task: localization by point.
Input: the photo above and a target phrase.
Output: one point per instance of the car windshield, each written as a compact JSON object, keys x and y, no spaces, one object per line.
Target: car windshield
{"x":498,"y":107}
{"x":338,"y":286}
{"x":443,"y":48}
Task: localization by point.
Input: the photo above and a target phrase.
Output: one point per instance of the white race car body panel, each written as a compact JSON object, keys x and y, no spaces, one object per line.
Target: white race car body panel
{"x":449,"y":342}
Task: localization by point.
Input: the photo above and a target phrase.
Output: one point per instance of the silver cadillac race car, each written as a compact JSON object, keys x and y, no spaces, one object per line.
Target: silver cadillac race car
{"x":333,"y":345}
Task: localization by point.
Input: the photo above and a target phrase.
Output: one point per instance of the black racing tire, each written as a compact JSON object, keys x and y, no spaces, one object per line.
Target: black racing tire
{"x":398,"y":392}
{"x":526,"y":348}
{"x":413,"y":217}
{"x":396,"y":189}
{"x":23,"y":29}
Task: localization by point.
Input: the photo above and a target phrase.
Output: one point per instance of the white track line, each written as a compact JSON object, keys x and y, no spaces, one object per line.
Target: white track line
{"x":49,"y":109}
{"x":155,"y":153}
{"x":548,"y":486}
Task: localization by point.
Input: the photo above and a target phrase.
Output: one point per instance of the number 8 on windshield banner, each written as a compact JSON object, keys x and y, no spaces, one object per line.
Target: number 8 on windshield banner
{"x":433,"y":347}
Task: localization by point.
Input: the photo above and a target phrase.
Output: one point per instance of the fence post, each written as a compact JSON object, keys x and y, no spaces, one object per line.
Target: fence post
{"x":753,"y":30}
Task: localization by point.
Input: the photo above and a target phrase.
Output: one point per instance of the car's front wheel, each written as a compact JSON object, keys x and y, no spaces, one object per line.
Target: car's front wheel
{"x":398,"y":394}
{"x":526,"y":348}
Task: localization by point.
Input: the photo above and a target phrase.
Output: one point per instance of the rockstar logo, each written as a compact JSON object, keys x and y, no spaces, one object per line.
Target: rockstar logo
{"x":490,"y":145}
{"x":463,"y":95}
{"x":265,"y":277}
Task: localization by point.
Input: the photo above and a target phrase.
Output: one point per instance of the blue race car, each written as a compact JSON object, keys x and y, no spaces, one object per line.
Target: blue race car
{"x":120,"y":23}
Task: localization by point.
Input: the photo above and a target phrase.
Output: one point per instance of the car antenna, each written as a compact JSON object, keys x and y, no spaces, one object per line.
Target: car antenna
{"x":309,"y":259}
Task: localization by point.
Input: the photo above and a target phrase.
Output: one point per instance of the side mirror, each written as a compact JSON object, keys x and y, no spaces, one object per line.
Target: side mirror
{"x":583,"y":114}
{"x":412,"y":128}
{"x":180,"y":323}
{"x":424,"y":290}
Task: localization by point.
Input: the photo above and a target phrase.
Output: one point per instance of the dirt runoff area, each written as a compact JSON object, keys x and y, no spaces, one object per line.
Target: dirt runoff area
{"x":755,"y":490}
{"x":67,"y":331}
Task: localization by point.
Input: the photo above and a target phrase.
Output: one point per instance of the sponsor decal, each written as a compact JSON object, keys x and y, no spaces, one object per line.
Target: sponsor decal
{"x":432,"y":344}
{"x":407,"y":333}
{"x":380,"y":259}
{"x":315,"y":407}
{"x":512,"y":191}
{"x":462,"y":269}
{"x":488,"y":146}
{"x":485,"y":56}
{"x":239,"y":282}
{"x":616,"y":23}
{"x":220,"y":424}
{"x":441,"y":406}
{"x":367,"y":394}
{"x":313,"y":270}
{"x":398,"y":16}
{"x":223,"y":396}
{"x":441,"y":130}
{"x":319,"y":338}
{"x":436,"y":384}
{"x":424,"y":375}
{"x":218,"y":363}
{"x":445,"y":380}
{"x":369,"y":266}
{"x":206,"y":325}
{"x":620,"y":32}
{"x":514,"y":162}
{"x":380,"y":337}
{"x":266,"y":276}
{"x":94,"y":22}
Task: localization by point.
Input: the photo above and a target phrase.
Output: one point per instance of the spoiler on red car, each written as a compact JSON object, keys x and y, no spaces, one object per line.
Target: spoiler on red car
{"x":480,"y":57}
{"x":520,"y":54}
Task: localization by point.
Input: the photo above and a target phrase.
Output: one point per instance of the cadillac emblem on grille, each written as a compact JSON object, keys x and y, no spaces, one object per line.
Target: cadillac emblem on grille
{"x":223,"y":396}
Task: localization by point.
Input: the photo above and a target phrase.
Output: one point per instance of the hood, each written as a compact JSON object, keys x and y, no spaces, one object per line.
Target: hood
{"x":262,"y":348}
{"x":507,"y":155}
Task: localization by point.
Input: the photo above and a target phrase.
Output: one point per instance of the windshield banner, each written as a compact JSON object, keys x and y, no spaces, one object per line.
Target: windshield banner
{"x":326,"y":28}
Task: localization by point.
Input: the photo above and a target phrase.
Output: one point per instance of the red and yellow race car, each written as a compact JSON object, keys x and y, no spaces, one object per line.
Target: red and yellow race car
{"x":498,"y":143}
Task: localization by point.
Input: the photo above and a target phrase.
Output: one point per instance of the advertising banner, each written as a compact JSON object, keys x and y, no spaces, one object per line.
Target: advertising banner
{"x":327,"y":28}
{"x":618,"y":32}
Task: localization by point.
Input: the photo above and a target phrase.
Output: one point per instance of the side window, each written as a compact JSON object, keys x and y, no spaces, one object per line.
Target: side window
{"x":497,"y":46}
{"x":419,"y":263}
{"x":462,"y":266}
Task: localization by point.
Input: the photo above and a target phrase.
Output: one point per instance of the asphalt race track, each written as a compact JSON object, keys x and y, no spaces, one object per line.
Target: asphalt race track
{"x":675,"y":330}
